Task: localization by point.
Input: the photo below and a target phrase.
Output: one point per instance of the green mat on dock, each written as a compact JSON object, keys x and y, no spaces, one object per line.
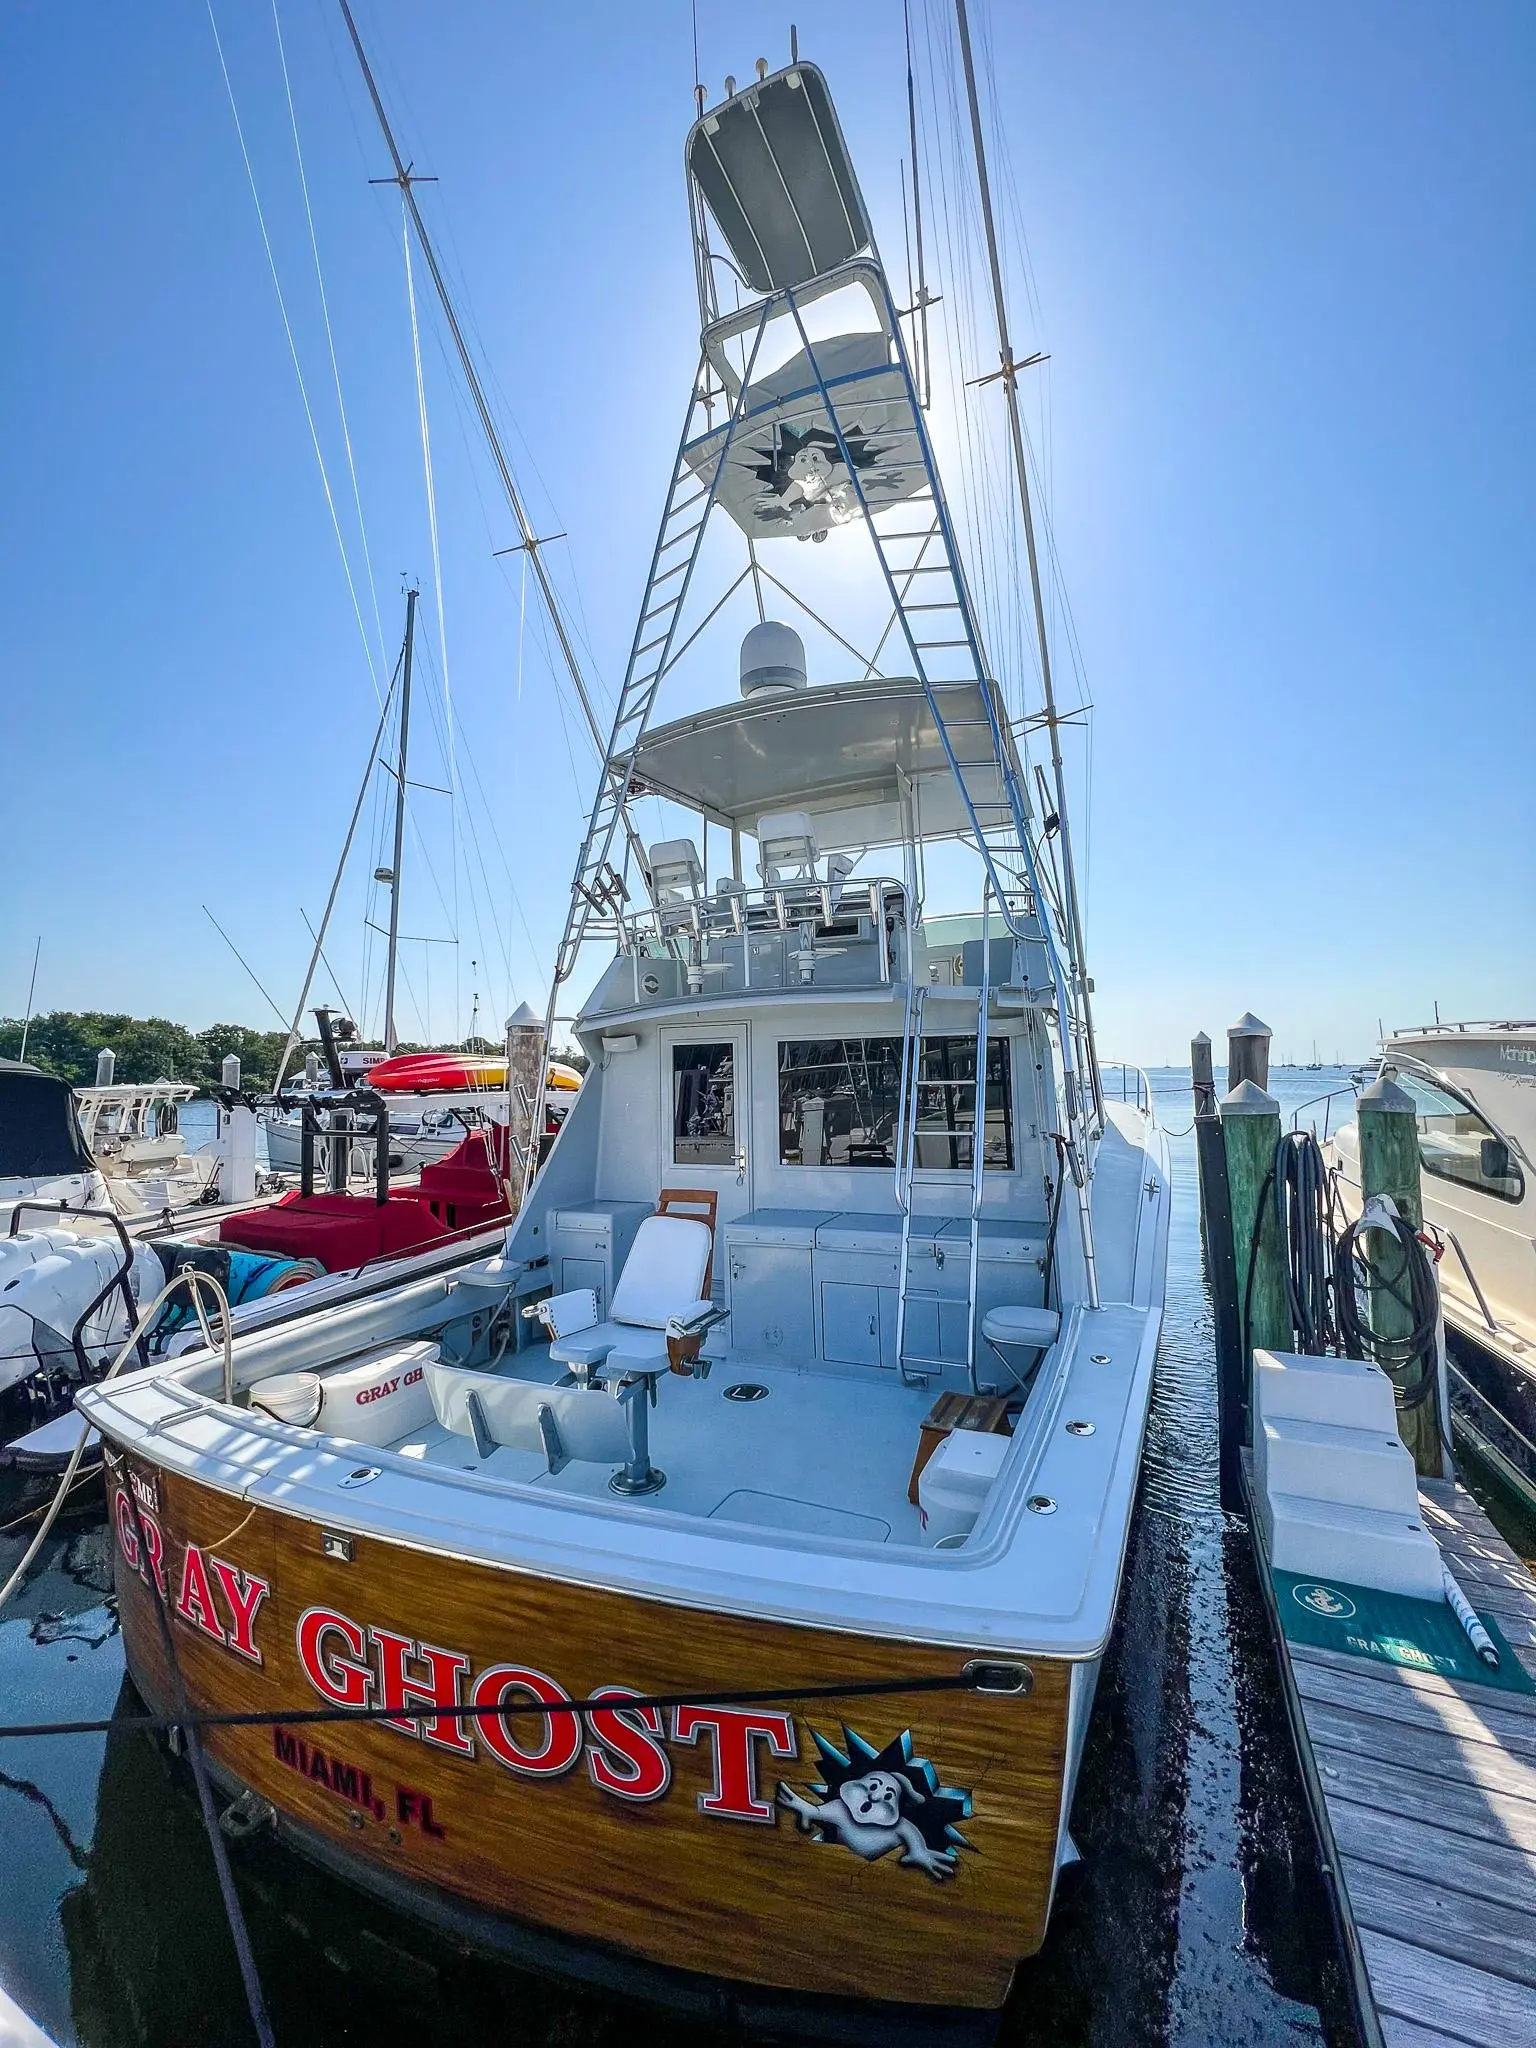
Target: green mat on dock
{"x":1424,"y":1635}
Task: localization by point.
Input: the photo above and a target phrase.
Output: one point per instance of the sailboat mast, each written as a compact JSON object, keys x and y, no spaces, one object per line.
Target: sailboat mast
{"x":390,"y":1040}
{"x":1010,"y":372}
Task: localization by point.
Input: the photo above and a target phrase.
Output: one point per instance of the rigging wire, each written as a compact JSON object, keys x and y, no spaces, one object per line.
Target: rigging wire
{"x":437,"y":567}
{"x":330,"y":338}
{"x":293,"y":350}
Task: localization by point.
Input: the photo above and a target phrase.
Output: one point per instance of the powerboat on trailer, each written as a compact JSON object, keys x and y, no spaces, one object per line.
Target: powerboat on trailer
{"x":818,"y":1358}
{"x":1474,"y":1088}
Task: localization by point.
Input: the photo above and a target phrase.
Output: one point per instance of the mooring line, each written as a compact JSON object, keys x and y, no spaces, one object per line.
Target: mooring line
{"x":429,"y":1710}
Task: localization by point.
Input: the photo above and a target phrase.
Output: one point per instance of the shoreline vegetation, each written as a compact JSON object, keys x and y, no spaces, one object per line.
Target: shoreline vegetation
{"x":66,"y":1042}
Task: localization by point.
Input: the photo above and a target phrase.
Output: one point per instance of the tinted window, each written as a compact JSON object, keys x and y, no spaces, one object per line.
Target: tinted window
{"x":1457,"y":1144}
{"x":840,"y":1100}
{"x":704,"y":1105}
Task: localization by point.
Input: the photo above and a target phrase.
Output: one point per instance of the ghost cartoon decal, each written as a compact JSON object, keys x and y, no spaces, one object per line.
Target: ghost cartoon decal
{"x":802,"y":469}
{"x":873,"y":1801}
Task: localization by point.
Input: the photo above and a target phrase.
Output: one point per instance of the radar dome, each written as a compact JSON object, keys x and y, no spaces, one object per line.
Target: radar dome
{"x":772,"y":660}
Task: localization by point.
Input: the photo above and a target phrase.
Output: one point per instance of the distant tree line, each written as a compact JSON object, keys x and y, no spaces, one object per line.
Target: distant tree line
{"x":66,"y":1042}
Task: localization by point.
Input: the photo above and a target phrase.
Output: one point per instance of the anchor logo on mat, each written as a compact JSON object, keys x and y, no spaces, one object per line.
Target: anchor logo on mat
{"x":874,"y":1801}
{"x":1325,"y":1601}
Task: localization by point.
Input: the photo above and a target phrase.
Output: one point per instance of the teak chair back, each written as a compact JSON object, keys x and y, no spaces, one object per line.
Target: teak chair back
{"x":700,"y":1203}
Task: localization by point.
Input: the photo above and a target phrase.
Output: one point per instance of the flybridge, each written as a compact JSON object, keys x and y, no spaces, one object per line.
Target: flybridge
{"x":801,"y":434}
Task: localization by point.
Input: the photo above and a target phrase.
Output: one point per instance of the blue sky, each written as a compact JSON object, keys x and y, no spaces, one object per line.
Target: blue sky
{"x":1281,"y":260}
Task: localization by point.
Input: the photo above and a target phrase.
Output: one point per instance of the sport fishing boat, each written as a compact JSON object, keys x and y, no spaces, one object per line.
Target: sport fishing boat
{"x":795,"y":1431}
{"x":1474,"y":1087}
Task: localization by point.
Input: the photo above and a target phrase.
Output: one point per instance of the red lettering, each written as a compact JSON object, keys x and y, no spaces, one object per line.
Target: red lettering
{"x":735,"y":1790}
{"x":343,"y":1680}
{"x":562,"y":1732}
{"x":194,"y":1602}
{"x":127,"y":1535}
{"x":440,"y":1688}
{"x":412,"y":1377}
{"x":245,"y":1594}
{"x":628,"y":1757}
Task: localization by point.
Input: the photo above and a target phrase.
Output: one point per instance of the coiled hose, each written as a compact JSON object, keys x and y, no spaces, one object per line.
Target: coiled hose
{"x":1410,"y":1361}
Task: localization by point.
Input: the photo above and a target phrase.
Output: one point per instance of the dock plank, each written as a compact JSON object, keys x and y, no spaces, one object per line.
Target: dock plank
{"x":1481,"y":1868}
{"x":1464,"y":1810}
{"x":1471,"y":2005}
{"x":1483,"y":1765}
{"x":1518,"y":1708}
{"x":1484,"y":1933}
{"x":1398,"y":2033}
{"x":1454,"y":1712}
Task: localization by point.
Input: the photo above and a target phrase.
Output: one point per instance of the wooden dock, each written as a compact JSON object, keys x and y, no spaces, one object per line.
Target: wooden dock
{"x":1424,"y":1794}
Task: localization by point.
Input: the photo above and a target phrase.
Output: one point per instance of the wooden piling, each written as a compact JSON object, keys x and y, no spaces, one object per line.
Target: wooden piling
{"x":1250,"y":1128}
{"x":1389,"y":1165}
{"x":1248,"y":1051}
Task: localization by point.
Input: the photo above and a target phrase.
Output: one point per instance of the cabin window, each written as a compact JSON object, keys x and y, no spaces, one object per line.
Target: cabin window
{"x":704,"y":1104}
{"x":1457,"y":1144}
{"x":840,"y":1103}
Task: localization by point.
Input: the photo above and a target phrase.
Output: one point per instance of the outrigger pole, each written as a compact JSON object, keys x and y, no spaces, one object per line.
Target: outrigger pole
{"x":1009,"y":376}
{"x":530,"y":543}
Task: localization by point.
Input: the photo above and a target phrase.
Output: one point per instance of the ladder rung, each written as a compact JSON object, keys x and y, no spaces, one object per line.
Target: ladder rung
{"x":933,"y":646}
{"x":660,"y":641}
{"x":667,"y":575}
{"x":948,"y":604}
{"x":667,"y":545}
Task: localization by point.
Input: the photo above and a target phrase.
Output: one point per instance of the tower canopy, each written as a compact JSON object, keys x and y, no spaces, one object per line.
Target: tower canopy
{"x":775,"y":173}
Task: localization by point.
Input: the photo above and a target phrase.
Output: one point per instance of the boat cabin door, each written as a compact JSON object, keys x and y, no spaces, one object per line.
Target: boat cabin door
{"x":707,"y":1116}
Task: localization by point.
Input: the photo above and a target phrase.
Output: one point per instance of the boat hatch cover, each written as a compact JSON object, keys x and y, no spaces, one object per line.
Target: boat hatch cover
{"x":39,"y":1131}
{"x":776,"y":174}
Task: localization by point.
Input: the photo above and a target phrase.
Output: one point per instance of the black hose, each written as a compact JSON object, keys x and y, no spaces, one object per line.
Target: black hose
{"x":1410,"y":1361}
{"x":1304,"y":1212}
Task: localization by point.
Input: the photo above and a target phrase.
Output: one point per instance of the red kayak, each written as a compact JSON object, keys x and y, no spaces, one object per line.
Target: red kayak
{"x":434,"y":1073}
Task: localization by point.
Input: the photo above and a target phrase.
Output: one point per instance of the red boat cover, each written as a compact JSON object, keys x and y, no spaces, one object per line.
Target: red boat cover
{"x":467,"y":1190}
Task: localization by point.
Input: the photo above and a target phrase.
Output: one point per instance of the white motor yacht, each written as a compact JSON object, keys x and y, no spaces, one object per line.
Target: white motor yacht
{"x":1474,"y":1087}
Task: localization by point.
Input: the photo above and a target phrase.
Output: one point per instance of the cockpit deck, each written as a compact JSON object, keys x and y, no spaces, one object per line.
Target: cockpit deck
{"x":817,"y":1452}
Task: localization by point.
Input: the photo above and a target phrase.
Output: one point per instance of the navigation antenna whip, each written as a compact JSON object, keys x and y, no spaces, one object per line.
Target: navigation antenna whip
{"x":1009,"y":379}
{"x":530,"y":543}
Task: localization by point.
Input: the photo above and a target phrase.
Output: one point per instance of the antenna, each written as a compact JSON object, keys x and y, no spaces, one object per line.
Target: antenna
{"x":26,"y":1024}
{"x":921,"y":301}
{"x":1009,"y":379}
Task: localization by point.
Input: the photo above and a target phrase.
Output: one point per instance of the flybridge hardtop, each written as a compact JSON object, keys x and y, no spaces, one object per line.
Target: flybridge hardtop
{"x":830,"y":1319}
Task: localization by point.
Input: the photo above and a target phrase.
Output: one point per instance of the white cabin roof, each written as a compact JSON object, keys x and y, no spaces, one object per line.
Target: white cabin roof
{"x":834,"y":751}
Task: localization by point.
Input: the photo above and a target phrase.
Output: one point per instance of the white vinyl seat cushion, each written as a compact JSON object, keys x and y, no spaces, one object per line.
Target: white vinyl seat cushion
{"x":1034,"y":1329}
{"x":662,"y":1278}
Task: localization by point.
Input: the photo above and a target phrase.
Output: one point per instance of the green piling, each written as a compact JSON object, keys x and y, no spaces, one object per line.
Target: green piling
{"x":1250,"y":1126}
{"x":1389,"y":1165}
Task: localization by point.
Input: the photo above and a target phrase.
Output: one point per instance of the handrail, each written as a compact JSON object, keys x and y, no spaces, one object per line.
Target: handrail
{"x":1466,"y":1266}
{"x":1349,"y":1089}
{"x":1143,"y":1084}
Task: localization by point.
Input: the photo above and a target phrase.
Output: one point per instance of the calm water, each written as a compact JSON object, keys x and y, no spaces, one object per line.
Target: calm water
{"x":1197,"y":1915}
